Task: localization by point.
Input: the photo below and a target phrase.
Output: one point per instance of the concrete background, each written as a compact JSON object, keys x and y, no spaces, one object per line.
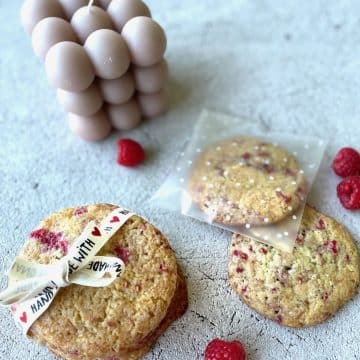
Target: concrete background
{"x":292,"y":65}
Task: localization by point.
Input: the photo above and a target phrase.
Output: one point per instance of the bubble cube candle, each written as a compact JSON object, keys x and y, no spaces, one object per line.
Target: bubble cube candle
{"x":105,"y":58}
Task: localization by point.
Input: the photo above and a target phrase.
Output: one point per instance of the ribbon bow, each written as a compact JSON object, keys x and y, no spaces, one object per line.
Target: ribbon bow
{"x":32,"y":287}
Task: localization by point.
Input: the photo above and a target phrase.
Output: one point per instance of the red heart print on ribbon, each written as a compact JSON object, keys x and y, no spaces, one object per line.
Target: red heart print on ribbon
{"x":114,"y":219}
{"x":23,"y":317}
{"x":96,"y":231}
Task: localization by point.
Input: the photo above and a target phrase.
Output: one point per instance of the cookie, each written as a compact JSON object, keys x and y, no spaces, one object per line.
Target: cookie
{"x":302,"y":288}
{"x":246,"y":181}
{"x":177,"y":308}
{"x":98,"y":322}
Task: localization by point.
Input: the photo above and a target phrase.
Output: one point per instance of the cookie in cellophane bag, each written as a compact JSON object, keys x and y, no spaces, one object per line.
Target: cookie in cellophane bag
{"x":245,"y":180}
{"x":237,"y":176}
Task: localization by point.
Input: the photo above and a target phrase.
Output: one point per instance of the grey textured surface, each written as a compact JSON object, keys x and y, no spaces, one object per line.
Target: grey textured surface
{"x":292,"y":65}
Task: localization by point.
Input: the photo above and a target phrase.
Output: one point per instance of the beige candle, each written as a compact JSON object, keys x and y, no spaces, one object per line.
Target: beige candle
{"x":152,"y":105}
{"x":104,"y":78}
{"x":68,"y":67}
{"x":87,"y":19}
{"x":117,"y":91}
{"x":90,"y":128}
{"x":108,"y":53}
{"x":85,"y":103}
{"x":71,"y":6}
{"x":121,"y":11}
{"x":32,"y":11}
{"x":146,"y":41}
{"x":151,"y":79}
{"x":125,"y":116}
{"x":50,"y":31}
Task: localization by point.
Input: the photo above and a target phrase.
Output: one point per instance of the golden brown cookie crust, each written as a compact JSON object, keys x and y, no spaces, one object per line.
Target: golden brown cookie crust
{"x":246,"y":181}
{"x":177,"y":308}
{"x":303,"y":288}
{"x":96,"y":321}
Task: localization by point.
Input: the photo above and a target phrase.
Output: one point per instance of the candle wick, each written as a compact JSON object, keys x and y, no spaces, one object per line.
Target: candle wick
{"x":91,"y":3}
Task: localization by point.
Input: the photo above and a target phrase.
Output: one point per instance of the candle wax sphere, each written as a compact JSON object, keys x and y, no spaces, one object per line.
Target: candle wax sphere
{"x":104,"y":3}
{"x":146,"y":40}
{"x":108,"y":53}
{"x":126,"y":116}
{"x":121,"y":11}
{"x":48,"y":32}
{"x":151,"y":79}
{"x":32,"y":11}
{"x":85,"y":103}
{"x":90,"y":128}
{"x":117,"y":91}
{"x":68,"y":67}
{"x":152,"y":105}
{"x":71,"y":6}
{"x":85,"y":21}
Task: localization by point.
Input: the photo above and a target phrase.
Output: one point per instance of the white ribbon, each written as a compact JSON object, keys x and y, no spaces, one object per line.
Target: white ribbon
{"x":32,"y":287}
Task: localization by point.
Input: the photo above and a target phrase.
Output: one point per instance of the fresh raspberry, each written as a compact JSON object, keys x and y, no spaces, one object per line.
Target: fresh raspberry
{"x":347,"y":162}
{"x":130,"y":153}
{"x":348,"y":191}
{"x":225,"y":350}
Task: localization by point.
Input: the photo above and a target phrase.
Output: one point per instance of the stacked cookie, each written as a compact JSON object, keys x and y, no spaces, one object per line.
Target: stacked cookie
{"x":120,"y":321}
{"x":105,"y":59}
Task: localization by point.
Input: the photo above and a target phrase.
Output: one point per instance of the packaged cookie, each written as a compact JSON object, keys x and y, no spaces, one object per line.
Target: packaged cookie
{"x":95,"y":282}
{"x":235,"y":175}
